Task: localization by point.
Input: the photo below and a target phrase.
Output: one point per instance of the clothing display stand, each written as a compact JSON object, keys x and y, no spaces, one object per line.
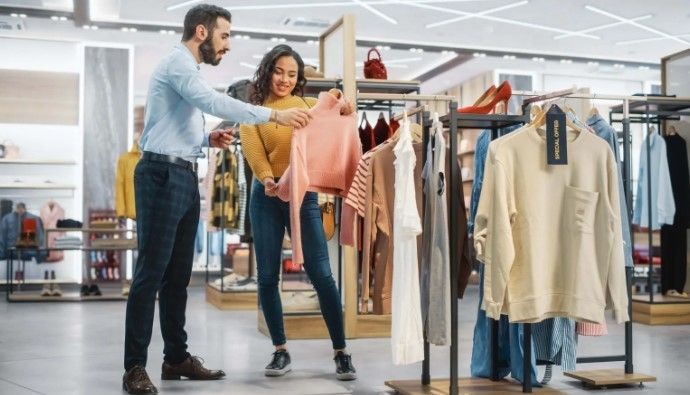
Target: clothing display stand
{"x":455,"y":122}
{"x":379,"y":95}
{"x":228,"y":299}
{"x":27,"y":296}
{"x":652,"y":110}
{"x":604,"y":377}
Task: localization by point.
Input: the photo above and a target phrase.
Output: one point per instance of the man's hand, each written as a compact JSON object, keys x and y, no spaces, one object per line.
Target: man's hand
{"x":295,"y":117}
{"x":270,"y":186}
{"x":221,"y":138}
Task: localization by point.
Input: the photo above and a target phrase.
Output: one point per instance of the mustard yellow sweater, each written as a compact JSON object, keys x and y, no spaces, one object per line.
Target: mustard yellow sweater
{"x":267,"y":146}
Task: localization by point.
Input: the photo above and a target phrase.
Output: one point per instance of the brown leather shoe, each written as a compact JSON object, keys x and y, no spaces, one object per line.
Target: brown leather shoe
{"x":192,"y":368}
{"x":137,"y":381}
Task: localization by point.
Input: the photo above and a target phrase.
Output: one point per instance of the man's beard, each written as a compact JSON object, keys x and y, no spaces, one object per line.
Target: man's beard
{"x":208,"y":53}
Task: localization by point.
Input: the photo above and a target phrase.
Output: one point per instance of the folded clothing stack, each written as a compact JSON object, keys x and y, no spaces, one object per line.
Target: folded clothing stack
{"x":114,"y":243}
{"x":65,"y":242}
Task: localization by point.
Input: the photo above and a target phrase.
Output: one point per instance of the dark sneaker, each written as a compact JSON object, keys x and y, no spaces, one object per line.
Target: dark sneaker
{"x":344,"y":370}
{"x":280,"y":364}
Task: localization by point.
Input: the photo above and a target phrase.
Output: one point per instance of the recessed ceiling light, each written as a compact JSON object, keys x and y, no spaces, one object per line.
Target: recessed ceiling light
{"x":509,"y":57}
{"x":63,"y":18}
{"x":538,"y":59}
{"x":644,"y":67}
{"x":274,"y":39}
{"x":413,"y":49}
{"x":87,"y":27}
{"x":593,"y":63}
{"x":55,"y":18}
{"x":446,"y":52}
{"x":14,"y":15}
{"x":619,"y":66}
{"x":566,"y":61}
{"x":311,"y":42}
{"x":22,"y":15}
{"x":94,"y":27}
{"x":124,"y":29}
{"x":479,"y":55}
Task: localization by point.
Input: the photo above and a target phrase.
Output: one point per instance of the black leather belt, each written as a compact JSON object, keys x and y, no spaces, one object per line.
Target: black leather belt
{"x":169,"y":159}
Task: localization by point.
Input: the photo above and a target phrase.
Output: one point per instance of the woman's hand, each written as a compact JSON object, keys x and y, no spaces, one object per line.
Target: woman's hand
{"x":347,"y":108}
{"x":270,"y":186}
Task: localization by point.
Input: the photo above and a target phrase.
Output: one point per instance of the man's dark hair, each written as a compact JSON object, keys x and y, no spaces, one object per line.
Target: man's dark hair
{"x":203,"y":14}
{"x":21,"y":205}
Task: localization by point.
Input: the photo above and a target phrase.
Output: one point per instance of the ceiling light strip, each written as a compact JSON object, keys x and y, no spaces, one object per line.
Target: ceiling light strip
{"x":641,"y":26}
{"x":647,"y":40}
{"x":503,"y":20}
{"x":375,"y":11}
{"x":474,"y":15}
{"x":602,"y":27}
{"x":183,"y":4}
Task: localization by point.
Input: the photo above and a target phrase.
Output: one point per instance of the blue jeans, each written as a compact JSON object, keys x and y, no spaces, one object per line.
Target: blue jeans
{"x":270,"y":217}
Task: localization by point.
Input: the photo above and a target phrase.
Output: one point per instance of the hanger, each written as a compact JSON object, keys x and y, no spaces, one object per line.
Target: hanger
{"x":594,"y":111}
{"x":541,"y":121}
{"x":364,"y":119}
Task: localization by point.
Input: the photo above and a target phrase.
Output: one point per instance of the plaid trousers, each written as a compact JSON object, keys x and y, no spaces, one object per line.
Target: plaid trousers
{"x":167,"y":205}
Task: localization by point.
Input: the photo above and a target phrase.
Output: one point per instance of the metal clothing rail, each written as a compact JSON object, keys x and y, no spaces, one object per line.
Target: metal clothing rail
{"x":403,"y":97}
{"x":627,"y":184}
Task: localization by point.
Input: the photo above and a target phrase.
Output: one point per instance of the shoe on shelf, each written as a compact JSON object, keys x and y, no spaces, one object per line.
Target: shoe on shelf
{"x":94,"y":290}
{"x":46,"y":290}
{"x":125,"y":290}
{"x":55,"y":290}
{"x":137,"y":381}
{"x":279,"y":365}
{"x":192,"y":368}
{"x":84,"y":291}
{"x":344,"y":370}
{"x":496,"y":101}
{"x":675,"y":294}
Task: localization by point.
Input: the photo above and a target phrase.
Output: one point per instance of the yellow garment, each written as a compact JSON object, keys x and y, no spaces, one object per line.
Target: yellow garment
{"x":124,"y":183}
{"x":267,"y":146}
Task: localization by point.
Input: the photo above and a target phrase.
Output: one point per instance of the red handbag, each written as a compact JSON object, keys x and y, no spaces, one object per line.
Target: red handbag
{"x":289,"y":266}
{"x":374,"y":68}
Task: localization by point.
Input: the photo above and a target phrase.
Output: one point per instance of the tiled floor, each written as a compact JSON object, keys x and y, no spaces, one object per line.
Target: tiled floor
{"x":76,"y":348}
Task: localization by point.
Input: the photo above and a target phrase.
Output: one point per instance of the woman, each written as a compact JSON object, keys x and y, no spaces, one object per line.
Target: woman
{"x":279,"y":84}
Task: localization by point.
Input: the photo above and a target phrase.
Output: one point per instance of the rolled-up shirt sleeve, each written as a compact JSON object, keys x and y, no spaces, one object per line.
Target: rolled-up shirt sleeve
{"x":187,"y":82}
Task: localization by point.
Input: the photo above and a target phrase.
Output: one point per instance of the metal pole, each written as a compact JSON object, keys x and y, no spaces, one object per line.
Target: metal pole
{"x":649,"y":207}
{"x":527,"y":359}
{"x":494,"y":350}
{"x":629,"y":326}
{"x":454,"y":256}
{"x":426,"y":376}
{"x":627,"y":179}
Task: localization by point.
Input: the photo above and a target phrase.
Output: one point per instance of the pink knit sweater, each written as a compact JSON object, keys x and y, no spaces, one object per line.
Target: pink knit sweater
{"x":323,"y":158}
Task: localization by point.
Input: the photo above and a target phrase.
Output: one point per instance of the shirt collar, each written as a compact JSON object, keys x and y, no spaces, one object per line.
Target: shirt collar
{"x":186,"y":51}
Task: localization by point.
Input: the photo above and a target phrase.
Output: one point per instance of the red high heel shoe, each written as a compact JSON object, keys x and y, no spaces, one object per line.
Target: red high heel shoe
{"x":496,"y":101}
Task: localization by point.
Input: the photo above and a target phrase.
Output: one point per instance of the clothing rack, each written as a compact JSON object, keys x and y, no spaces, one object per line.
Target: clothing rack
{"x":629,"y":375}
{"x":454,"y":122}
{"x":410,"y":113}
{"x":648,"y":110}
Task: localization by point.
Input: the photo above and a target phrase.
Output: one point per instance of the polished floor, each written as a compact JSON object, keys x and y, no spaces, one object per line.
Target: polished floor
{"x":76,"y":348}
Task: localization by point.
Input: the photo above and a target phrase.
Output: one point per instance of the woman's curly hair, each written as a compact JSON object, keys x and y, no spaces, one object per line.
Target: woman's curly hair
{"x":262,"y":78}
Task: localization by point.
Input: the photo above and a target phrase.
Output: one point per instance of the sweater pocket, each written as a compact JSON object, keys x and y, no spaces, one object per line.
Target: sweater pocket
{"x":580,"y":208}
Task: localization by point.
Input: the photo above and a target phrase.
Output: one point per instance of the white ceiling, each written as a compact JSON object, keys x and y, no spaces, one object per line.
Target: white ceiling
{"x":527,"y":26}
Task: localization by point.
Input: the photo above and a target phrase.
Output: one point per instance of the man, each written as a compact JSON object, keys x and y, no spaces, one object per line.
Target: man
{"x":167,"y":197}
{"x":11,"y":229}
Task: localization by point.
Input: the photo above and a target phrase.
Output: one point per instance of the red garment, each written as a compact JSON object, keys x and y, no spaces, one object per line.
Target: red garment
{"x":381,"y":131}
{"x":393,"y":126}
{"x":366,"y":136}
{"x":323,"y":158}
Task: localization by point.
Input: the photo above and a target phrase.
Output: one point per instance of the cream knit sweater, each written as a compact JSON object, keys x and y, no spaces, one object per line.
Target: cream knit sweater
{"x":550,"y":235}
